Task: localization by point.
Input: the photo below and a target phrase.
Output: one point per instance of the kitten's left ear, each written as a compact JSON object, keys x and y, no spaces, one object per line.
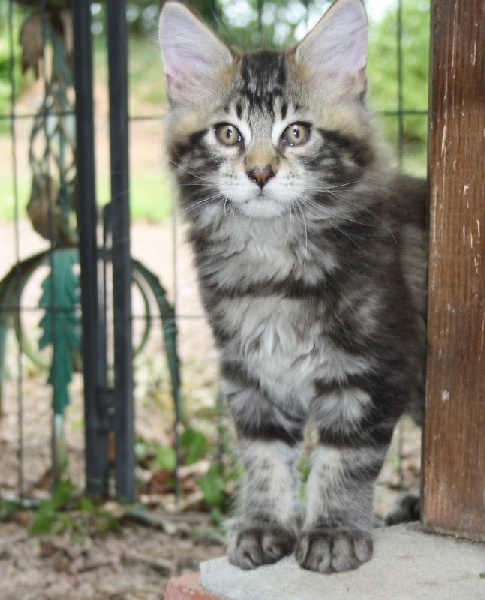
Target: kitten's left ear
{"x":335,"y":50}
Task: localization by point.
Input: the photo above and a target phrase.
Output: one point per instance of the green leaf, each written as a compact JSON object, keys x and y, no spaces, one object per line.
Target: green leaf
{"x":44,"y":519}
{"x":166,"y":459}
{"x":141,"y":449}
{"x":212,"y":486}
{"x":195,"y":444}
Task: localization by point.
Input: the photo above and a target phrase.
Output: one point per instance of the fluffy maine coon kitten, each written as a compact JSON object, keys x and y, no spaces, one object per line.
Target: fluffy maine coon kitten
{"x":311,"y":261}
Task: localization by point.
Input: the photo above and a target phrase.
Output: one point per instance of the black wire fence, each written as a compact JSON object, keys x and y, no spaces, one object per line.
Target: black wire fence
{"x":99,"y":318}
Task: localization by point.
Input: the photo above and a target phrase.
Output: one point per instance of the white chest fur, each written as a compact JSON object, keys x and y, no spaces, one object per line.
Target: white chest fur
{"x":252,"y":251}
{"x":283,"y":347}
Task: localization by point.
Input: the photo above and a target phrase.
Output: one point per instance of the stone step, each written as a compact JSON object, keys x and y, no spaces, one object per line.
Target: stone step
{"x":407,"y":565}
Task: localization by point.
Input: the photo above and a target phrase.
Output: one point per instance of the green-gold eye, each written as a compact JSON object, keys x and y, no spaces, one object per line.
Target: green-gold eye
{"x":296,"y":134}
{"x":228,"y":134}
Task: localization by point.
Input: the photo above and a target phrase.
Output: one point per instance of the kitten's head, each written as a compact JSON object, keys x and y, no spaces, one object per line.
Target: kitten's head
{"x":260,"y":133}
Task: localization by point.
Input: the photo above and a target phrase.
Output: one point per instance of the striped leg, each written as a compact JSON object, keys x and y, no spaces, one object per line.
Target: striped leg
{"x":268,"y":508}
{"x":268,"y":505}
{"x":336,"y":532}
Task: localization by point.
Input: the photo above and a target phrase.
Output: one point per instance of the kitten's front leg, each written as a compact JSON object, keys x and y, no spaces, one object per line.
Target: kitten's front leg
{"x":336,"y":533}
{"x":269,"y":513}
{"x":269,"y":507}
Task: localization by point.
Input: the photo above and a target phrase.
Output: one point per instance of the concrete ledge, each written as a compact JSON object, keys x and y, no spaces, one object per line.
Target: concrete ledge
{"x":407,"y":564}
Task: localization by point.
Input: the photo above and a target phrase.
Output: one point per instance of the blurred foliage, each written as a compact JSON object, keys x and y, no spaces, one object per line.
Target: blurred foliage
{"x":8,"y":509}
{"x":251,"y":24}
{"x":140,"y":14}
{"x":195,"y":445}
{"x":10,"y":66}
{"x":65,"y":512}
{"x":280,"y":22}
{"x":383,"y":75}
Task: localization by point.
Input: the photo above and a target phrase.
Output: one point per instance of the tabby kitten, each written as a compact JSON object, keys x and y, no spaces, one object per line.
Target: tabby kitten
{"x":310,"y":256}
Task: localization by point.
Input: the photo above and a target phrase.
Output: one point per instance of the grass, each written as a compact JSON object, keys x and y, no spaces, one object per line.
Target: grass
{"x":146,"y":79}
{"x":150,"y":196}
{"x":7,"y":203}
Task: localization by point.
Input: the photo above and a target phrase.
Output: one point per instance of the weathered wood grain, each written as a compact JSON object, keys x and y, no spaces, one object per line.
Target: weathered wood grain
{"x":454,"y":449}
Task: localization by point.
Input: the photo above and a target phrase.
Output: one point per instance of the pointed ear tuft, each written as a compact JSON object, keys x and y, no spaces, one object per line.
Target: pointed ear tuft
{"x":337,"y":47}
{"x":193,"y":56}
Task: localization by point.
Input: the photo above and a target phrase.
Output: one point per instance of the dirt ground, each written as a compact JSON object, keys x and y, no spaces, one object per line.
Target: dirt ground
{"x":136,"y":562}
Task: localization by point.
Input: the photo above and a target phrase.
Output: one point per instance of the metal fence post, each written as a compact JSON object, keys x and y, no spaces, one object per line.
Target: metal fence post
{"x":96,"y":448}
{"x":123,"y":351}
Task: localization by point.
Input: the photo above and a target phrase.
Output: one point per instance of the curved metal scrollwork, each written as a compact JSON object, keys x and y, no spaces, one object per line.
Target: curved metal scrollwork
{"x":47,"y":44}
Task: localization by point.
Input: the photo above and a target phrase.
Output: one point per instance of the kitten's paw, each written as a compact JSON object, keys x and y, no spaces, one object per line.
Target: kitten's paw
{"x":250,"y":545}
{"x":333,"y":550}
{"x":407,"y":508}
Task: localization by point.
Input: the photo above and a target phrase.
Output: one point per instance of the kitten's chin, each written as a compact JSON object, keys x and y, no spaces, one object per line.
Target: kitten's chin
{"x":262,"y":208}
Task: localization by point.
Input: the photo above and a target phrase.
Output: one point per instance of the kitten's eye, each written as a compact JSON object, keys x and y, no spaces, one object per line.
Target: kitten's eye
{"x":228,"y":135}
{"x":296,"y":134}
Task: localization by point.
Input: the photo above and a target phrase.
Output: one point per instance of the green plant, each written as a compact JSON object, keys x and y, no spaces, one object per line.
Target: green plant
{"x":383,"y":74}
{"x":12,"y":81}
{"x":194,"y":444}
{"x":165,"y":458}
{"x":48,"y":518}
{"x":219,"y":483}
{"x":8,"y":508}
{"x":65,"y":512}
{"x":216,"y":484}
{"x":212,"y":486}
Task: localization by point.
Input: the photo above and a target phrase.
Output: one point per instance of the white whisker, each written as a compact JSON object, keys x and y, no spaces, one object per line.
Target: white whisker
{"x":305,"y":229}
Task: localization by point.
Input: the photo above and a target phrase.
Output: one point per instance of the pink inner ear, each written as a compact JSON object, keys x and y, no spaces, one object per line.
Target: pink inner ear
{"x":357,"y":55}
{"x":192,"y":54}
{"x":338,"y":43}
{"x":349,"y":56}
{"x":183,"y":70}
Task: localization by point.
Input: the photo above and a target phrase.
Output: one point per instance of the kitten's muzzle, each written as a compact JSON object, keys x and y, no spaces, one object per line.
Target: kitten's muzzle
{"x":261,"y":176}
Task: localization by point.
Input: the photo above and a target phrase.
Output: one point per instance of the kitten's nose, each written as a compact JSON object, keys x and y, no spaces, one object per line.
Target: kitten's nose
{"x":261,"y":176}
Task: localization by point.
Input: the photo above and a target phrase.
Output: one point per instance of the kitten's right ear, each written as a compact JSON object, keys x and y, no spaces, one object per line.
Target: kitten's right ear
{"x":193,"y":56}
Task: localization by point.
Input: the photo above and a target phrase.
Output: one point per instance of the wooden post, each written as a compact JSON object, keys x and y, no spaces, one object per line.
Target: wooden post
{"x":454,"y":443}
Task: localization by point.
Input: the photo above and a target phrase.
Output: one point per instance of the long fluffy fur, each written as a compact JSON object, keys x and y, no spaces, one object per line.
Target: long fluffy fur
{"x":315,"y":293}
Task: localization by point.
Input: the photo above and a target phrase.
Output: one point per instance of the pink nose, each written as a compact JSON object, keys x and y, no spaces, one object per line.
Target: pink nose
{"x":261,"y":176}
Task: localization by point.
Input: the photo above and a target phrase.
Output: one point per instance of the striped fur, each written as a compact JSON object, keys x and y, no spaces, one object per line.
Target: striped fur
{"x":311,"y":263}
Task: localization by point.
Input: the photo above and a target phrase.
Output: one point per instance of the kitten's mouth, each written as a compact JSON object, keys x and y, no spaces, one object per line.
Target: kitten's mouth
{"x":259,"y":197}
